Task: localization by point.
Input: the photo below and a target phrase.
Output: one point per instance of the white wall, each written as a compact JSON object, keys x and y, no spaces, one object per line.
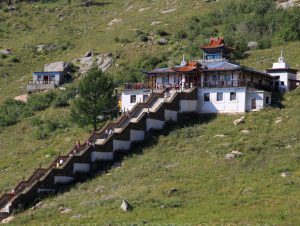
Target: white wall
{"x":126,"y":98}
{"x":137,"y":135}
{"x":170,"y":115}
{"x":81,"y":167}
{"x":102,"y":156}
{"x":260,"y":99}
{"x":188,"y":105}
{"x":62,"y":179}
{"x":44,"y":190}
{"x":224,"y":106}
{"x":154,"y":124}
{"x":121,"y":145}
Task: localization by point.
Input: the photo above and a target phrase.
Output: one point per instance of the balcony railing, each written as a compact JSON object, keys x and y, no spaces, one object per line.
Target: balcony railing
{"x":236,"y":83}
{"x":36,"y":85}
{"x":206,"y":84}
{"x":136,"y":86}
{"x":231,"y":83}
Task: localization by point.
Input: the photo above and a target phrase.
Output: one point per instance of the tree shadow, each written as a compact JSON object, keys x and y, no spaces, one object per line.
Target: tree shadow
{"x":277,"y":100}
{"x":104,"y":167}
{"x":152,"y":138}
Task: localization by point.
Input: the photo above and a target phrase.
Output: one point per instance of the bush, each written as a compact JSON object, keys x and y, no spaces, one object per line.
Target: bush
{"x":248,"y":21}
{"x":162,"y":32}
{"x":10,"y":112}
{"x":181,"y":35}
{"x":61,"y":100}
{"x":122,"y":40}
{"x":143,"y":38}
{"x":15,"y":60}
{"x":38,"y":102}
{"x":43,"y":128}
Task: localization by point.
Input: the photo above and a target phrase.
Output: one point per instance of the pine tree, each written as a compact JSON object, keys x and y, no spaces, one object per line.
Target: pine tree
{"x":96,"y":101}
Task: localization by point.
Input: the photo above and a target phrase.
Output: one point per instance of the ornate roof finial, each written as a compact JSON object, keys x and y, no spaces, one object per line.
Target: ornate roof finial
{"x":183,"y":62}
{"x":281,"y":58}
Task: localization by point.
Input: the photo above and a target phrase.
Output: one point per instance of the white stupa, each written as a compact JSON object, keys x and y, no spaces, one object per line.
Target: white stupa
{"x":281,"y":64}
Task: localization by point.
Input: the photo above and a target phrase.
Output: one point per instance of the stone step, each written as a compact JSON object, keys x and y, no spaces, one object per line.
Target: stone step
{"x":3,"y":215}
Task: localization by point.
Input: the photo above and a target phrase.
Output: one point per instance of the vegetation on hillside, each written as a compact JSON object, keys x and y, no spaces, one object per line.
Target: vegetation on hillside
{"x":209,"y":189}
{"x":242,"y":21}
{"x":96,"y":102}
{"x":193,"y":183}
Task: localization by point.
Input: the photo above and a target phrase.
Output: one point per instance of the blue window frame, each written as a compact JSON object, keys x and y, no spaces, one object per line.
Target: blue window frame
{"x":165,"y":80}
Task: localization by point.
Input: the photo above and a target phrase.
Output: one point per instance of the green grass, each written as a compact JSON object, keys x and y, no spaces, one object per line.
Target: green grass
{"x":246,"y":191}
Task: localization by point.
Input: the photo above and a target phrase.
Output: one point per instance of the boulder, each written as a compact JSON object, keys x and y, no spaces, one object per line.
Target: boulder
{"x":239,"y":121}
{"x":114,"y":21}
{"x":173,"y":191}
{"x":5,"y":51}
{"x":168,"y":11}
{"x":278,"y":120}
{"x":286,"y":174}
{"x":155,"y":23}
{"x":220,"y":135}
{"x":22,"y":98}
{"x":162,"y":41}
{"x":125,"y":206}
{"x":91,"y":60}
{"x":252,"y":45}
{"x":229,"y":156}
{"x":56,"y":66}
{"x":104,"y":61}
{"x":245,"y":131}
{"x":88,"y":54}
{"x":64,"y":210}
{"x":237,"y":153}
{"x":45,"y":47}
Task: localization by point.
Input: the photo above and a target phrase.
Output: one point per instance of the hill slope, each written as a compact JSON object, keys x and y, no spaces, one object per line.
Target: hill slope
{"x":182,"y":177}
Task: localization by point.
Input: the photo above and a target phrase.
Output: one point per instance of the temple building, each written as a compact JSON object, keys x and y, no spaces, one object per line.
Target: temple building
{"x":223,"y":86}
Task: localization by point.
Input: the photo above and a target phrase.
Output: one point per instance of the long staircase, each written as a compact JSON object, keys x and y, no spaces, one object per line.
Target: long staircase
{"x":102,"y":148}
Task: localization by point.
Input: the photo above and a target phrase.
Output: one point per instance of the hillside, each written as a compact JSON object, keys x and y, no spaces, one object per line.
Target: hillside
{"x":208,"y":188}
{"x":193,"y":183}
{"x":90,"y":31}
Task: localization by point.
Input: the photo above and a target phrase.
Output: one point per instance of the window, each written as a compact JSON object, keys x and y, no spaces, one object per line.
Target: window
{"x":176,"y":80}
{"x":132,"y":98}
{"x":282,"y":83}
{"x":227,"y":77}
{"x":267,"y":100}
{"x":165,"y":80}
{"x":215,"y":78}
{"x":206,"y":97}
{"x":232,"y":96}
{"x":145,"y":97}
{"x":219,"y":96}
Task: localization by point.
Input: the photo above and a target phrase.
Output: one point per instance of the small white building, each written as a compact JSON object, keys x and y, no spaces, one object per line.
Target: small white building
{"x":285,"y":78}
{"x":131,"y":97}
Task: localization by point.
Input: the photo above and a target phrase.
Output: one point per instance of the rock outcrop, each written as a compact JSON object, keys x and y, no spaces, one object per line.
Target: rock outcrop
{"x":93,"y":60}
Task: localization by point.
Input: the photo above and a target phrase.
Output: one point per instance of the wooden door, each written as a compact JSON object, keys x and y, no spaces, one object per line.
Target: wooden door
{"x":253,"y":103}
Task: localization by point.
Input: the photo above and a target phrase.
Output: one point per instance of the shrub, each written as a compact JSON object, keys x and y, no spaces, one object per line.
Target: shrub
{"x":15,"y":60}
{"x":38,"y":102}
{"x":122,"y":40}
{"x":61,"y":100}
{"x":181,"y":35}
{"x":162,"y":32}
{"x":10,"y":112}
{"x":143,"y":38}
{"x":43,"y":128}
